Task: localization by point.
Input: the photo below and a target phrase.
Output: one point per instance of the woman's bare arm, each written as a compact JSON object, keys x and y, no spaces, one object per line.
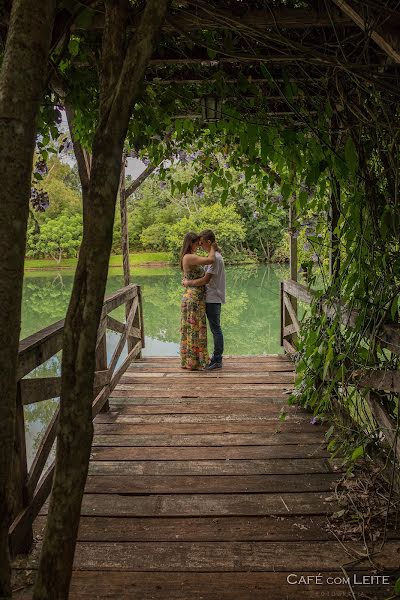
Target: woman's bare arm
{"x":192,"y":259}
{"x":197,"y":282}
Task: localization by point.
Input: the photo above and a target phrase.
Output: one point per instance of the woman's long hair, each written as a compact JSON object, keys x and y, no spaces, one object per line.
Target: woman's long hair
{"x":188,"y":240}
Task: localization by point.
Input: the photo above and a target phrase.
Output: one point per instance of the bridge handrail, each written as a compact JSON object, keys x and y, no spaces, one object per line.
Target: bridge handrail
{"x":33,"y":487}
{"x":371,"y":380}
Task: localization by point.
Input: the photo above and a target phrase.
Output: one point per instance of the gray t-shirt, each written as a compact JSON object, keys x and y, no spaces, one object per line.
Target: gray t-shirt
{"x":215,"y":290}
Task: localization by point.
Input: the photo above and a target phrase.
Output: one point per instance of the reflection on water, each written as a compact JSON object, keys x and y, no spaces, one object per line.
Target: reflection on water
{"x":250,"y":318}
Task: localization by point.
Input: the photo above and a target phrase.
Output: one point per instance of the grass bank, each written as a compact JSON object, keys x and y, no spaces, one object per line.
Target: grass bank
{"x":137,"y":258}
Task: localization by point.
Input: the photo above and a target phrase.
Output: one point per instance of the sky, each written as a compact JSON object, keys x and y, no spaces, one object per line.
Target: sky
{"x":135,"y":166}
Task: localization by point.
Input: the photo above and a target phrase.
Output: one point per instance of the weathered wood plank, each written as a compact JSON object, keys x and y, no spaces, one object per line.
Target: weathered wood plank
{"x":205,"y":386}
{"x":140,"y":400}
{"x":289,"y":348}
{"x":39,"y":388}
{"x":205,"y":407}
{"x":223,"y":467}
{"x":199,"y":418}
{"x":132,"y":354}
{"x":213,"y":484}
{"x":145,"y":392}
{"x":295,"y":425}
{"x":378,"y":379}
{"x":179,"y":505}
{"x":123,"y":529}
{"x":124,"y":336}
{"x":39,"y":347}
{"x":118,"y":298}
{"x":301,"y":292}
{"x":249,"y":358}
{"x":119,"y":327}
{"x":383,"y":41}
{"x":290,"y":330}
{"x":23,"y":522}
{"x":115,"y":325}
{"x":236,"y":434}
{"x":226,"y":556}
{"x":42,"y":453}
{"x":201,"y":454}
{"x":241,"y":376}
{"x":207,"y":586}
{"x":130,"y":379}
{"x":291,"y":311}
{"x":236,"y":369}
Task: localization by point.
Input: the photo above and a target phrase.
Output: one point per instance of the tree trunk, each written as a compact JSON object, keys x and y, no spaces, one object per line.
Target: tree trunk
{"x":121,"y":76}
{"x":21,"y":87}
{"x":124,"y":228}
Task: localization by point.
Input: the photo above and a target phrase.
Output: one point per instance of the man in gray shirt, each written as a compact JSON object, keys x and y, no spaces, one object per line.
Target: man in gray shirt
{"x":214,"y":280}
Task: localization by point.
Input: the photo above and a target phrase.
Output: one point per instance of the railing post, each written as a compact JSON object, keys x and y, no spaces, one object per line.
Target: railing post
{"x":293,"y":247}
{"x":334,"y":215}
{"x":141,"y":316}
{"x":283,"y":324}
{"x":101,"y":364}
{"x":21,"y":494}
{"x":137,"y":322}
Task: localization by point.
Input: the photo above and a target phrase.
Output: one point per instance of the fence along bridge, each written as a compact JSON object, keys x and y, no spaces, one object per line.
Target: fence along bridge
{"x":197,"y":487}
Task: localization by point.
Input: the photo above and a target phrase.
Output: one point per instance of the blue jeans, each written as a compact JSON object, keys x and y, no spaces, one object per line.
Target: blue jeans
{"x":213,"y":312}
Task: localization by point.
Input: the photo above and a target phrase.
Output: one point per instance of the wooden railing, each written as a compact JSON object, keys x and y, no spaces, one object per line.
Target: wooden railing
{"x":371,"y":380}
{"x":32,"y":487}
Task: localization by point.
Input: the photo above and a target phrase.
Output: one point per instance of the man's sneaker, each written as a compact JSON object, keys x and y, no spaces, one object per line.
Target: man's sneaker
{"x":213,"y":365}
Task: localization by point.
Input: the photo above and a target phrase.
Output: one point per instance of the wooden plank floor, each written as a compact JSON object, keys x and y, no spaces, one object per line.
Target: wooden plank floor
{"x":198,"y":488}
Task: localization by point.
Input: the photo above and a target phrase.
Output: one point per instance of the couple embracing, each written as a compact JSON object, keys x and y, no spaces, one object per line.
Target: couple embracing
{"x":204,"y":280}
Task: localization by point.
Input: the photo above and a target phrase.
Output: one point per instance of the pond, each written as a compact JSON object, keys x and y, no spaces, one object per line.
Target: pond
{"x":250,"y":317}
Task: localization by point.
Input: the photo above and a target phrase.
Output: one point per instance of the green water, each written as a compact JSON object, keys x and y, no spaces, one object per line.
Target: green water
{"x":250,"y":317}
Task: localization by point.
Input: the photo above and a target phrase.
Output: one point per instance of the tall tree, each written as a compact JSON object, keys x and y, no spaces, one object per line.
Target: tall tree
{"x":21,"y":86}
{"x":122,"y":67}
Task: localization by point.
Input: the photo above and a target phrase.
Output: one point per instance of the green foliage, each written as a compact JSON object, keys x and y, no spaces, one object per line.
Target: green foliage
{"x":224,"y":220}
{"x":58,"y":238}
{"x":154,"y":237}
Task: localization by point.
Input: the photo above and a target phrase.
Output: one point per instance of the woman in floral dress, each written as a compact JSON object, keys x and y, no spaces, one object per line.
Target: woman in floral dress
{"x":194,"y":355}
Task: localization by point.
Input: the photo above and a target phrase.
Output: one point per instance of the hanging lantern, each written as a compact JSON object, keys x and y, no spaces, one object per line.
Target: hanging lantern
{"x":211,"y":108}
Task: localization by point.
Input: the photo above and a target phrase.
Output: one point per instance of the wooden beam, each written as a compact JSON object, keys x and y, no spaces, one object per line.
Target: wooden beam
{"x":120,"y":297}
{"x":43,"y":453}
{"x":290,"y":330}
{"x":202,"y":80}
{"x":39,"y":347}
{"x":40,"y":388}
{"x":101,"y":367}
{"x":388,"y":337}
{"x":22,"y":525}
{"x":139,"y":180}
{"x":141,"y":317}
{"x":22,"y":496}
{"x":272,"y":18}
{"x":124,"y":336}
{"x":293,"y":315}
{"x":360,"y":22}
{"x":289,"y":348}
{"x":377,"y":379}
{"x":299,"y":291}
{"x":385,"y":422}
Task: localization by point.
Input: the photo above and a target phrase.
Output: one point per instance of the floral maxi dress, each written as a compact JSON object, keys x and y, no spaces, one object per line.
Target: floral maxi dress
{"x":194,"y":353}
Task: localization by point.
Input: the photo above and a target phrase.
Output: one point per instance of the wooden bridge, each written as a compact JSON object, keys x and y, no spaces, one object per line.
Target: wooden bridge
{"x":201,"y":485}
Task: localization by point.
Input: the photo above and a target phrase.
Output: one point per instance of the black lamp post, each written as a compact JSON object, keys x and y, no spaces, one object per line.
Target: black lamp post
{"x":211,"y":108}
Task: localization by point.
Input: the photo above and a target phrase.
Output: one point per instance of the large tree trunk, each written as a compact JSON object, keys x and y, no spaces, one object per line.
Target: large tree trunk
{"x":122,"y":72}
{"x":21,"y":87}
